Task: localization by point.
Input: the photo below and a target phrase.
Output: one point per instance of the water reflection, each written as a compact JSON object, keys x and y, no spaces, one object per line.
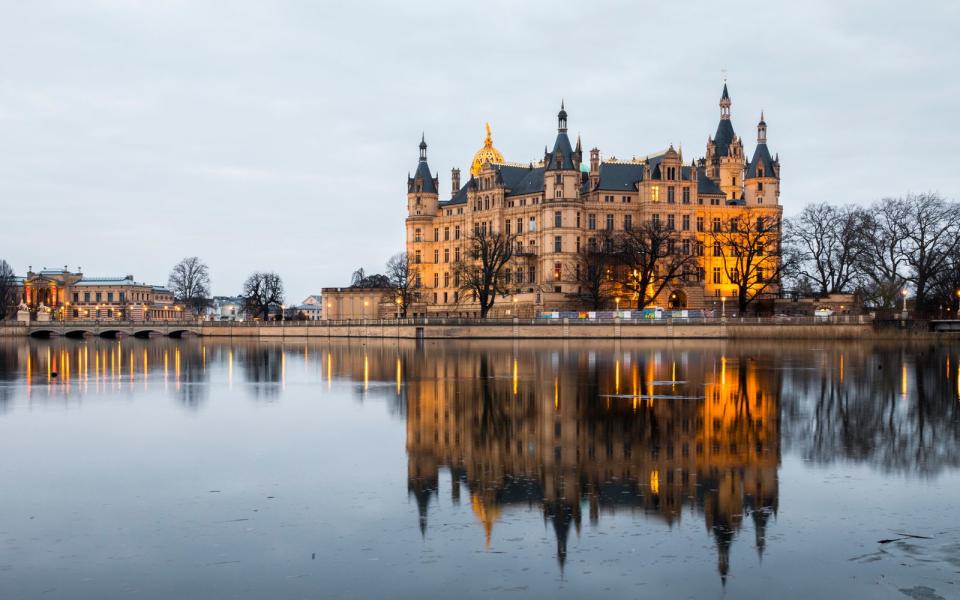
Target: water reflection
{"x":650,"y":432}
{"x":575,"y":431}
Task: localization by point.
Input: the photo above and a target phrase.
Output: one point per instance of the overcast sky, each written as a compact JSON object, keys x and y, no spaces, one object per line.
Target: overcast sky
{"x":278,"y":135}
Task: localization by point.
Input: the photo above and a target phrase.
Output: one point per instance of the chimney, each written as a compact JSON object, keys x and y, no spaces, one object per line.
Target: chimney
{"x":455,"y":180}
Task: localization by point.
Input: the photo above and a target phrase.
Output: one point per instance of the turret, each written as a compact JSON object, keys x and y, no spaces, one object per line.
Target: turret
{"x":725,"y":160}
{"x":454,"y":181}
{"x":562,"y":172}
{"x":594,"y":168}
{"x":422,"y":188}
{"x":762,"y":179}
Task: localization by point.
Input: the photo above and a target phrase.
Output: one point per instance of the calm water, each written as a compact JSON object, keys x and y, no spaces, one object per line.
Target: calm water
{"x":194,"y":469}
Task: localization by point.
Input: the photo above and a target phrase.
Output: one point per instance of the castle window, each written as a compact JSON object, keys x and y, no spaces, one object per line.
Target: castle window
{"x":686,"y":222}
{"x":717,"y":251}
{"x":559,"y":193}
{"x":686,"y":195}
{"x":700,"y":250}
{"x":558,"y":219}
{"x":436,"y":234}
{"x":519,"y":278}
{"x":446,"y":283}
{"x":699,"y":223}
{"x":716,"y":276}
{"x":671,"y":195}
{"x":436,"y":256}
{"x":456,"y":252}
{"x":655,"y":220}
{"x":533,"y":274}
{"x":436,"y":281}
{"x":508,"y":224}
{"x":627,"y":222}
{"x":591,"y":221}
{"x":557,"y":243}
{"x":760,"y":184}
{"x":716,"y":223}
{"x":446,"y":232}
{"x":578,"y":220}
{"x":734,"y":181}
{"x":532,"y":225}
{"x":557,"y":267}
{"x":446,"y":255}
{"x":671,"y":222}
{"x":417,"y":235}
{"x":759,"y":199}
{"x":609,"y":222}
{"x":456,"y":232}
{"x":655,"y":193}
{"x":416,"y":257}
{"x":686,"y":247}
{"x":558,"y":179}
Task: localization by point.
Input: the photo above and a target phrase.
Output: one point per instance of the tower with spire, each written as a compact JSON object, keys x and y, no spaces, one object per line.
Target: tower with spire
{"x":725,"y":161}
{"x":762,"y":178}
{"x":562,"y":164}
{"x":422,"y":195}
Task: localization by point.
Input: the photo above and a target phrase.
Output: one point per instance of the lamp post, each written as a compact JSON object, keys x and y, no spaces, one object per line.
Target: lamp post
{"x":904,"y":292}
{"x":399,"y":301}
{"x":723,"y":307}
{"x":617,"y":301}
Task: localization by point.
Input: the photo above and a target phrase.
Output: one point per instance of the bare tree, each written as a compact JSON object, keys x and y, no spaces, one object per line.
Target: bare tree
{"x":403,"y":277}
{"x":931,"y":235}
{"x":596,"y":264}
{"x":824,"y":244}
{"x":882,"y":262}
{"x":651,"y":258}
{"x":357,"y":276}
{"x":944,"y":289}
{"x":481,"y":274}
{"x":750,"y":249}
{"x":9,"y":290}
{"x":190,"y":282}
{"x":261,"y":292}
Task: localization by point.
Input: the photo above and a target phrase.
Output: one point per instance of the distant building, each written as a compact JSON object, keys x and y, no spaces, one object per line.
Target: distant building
{"x":359,"y":303}
{"x":312,"y":307}
{"x":68,"y":295}
{"x":225,"y":308}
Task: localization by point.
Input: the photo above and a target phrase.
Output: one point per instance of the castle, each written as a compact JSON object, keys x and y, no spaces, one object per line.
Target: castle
{"x":557,"y":207}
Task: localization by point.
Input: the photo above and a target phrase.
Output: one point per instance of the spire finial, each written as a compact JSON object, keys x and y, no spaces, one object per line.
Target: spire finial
{"x":489,"y":141}
{"x":725,"y":103}
{"x":423,"y":146}
{"x":562,"y":118}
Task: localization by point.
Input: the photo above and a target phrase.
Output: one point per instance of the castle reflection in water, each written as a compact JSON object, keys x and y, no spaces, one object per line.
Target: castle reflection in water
{"x":577,"y":429}
{"x":581,"y":430}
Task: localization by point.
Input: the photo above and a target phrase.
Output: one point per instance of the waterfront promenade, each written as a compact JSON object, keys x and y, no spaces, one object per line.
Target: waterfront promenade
{"x":843,"y":327}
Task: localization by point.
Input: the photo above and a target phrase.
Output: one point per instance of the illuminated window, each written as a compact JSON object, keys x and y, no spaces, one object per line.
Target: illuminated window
{"x":655,"y":193}
{"x":716,"y":276}
{"x":557,"y":267}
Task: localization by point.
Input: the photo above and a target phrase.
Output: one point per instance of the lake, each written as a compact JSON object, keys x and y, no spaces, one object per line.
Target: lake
{"x":380,"y":468}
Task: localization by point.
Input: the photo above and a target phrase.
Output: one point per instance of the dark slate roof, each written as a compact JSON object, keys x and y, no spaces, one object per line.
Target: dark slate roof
{"x":725,"y":93}
{"x":459,"y":198}
{"x":563,"y":146}
{"x":761,"y":156}
{"x":724,"y":136}
{"x":619,"y":176}
{"x":705,"y":185}
{"x":423,"y":170}
{"x":520,"y":181}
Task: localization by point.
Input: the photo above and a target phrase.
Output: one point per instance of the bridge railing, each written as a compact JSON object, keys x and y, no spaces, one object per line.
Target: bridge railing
{"x":549,"y":322}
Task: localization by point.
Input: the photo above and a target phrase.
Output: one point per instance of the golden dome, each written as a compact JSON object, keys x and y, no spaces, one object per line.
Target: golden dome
{"x":487,"y":154}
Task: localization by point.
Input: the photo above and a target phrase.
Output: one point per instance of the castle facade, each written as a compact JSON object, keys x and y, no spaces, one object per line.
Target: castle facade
{"x":555,"y":208}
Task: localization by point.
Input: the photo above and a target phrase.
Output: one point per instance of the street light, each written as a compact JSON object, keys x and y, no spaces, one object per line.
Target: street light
{"x":904,"y":292}
{"x":723,"y":307}
{"x":617,"y":301}
{"x":399,"y":301}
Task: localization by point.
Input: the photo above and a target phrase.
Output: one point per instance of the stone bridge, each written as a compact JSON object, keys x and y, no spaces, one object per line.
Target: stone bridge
{"x":113,"y":329}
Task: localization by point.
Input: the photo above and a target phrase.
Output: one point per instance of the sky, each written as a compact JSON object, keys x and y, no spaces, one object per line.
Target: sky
{"x":279,"y":135}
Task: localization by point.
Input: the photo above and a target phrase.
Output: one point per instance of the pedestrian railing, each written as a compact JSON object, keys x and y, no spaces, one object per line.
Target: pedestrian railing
{"x":549,"y":322}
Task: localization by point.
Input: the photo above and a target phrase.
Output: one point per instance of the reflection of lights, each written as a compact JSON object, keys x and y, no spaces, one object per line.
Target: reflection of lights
{"x":514,"y":376}
{"x":616,"y":377}
{"x":230,"y":368}
{"x":283,"y":369}
{"x":655,"y":482}
{"x":329,"y":370}
{"x":556,"y":393}
{"x":841,"y":369}
{"x":398,"y":376}
{"x":903,"y":380}
{"x":366,"y":373}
